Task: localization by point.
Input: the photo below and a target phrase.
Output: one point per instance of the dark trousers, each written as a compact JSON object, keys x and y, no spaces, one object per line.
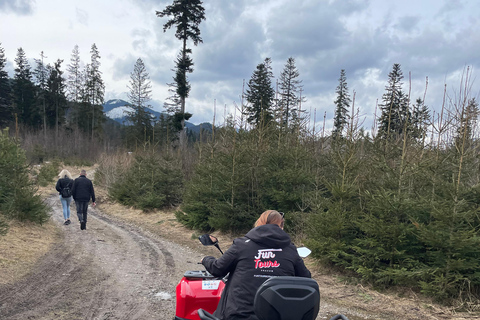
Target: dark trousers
{"x":82,"y":207}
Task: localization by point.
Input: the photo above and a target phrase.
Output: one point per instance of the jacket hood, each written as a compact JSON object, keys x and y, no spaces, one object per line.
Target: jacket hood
{"x":270,"y":235}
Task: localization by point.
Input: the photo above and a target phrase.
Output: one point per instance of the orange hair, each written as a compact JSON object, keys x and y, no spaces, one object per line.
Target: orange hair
{"x":270,"y":217}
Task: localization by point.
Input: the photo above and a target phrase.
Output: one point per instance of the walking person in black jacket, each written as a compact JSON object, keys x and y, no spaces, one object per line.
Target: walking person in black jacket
{"x":265,"y":251}
{"x":64,"y":187}
{"x":82,"y":191}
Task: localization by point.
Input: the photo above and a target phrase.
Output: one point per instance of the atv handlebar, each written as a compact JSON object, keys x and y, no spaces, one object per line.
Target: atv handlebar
{"x":205,"y":315}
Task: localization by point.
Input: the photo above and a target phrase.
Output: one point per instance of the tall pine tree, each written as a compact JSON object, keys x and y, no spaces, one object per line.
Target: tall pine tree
{"x":186,"y":18}
{"x":260,"y":94}
{"x":95,"y":91}
{"x":6,"y":110}
{"x":74,"y":84}
{"x":342,"y":106}
{"x":395,"y":112}
{"x":41,"y":75}
{"x":24,"y":92}
{"x":140,"y":118}
{"x":290,"y":86}
{"x":56,"y":95}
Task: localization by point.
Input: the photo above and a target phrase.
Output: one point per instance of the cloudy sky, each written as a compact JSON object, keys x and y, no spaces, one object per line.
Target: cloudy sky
{"x":437,"y":39}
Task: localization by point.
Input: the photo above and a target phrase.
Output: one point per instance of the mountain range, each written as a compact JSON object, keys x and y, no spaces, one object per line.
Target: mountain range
{"x":116,"y":109}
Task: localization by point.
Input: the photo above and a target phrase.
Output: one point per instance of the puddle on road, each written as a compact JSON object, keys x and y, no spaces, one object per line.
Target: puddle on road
{"x":163,"y":295}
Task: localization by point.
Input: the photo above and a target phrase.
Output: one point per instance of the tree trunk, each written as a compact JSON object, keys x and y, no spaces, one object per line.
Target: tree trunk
{"x":183,"y":135}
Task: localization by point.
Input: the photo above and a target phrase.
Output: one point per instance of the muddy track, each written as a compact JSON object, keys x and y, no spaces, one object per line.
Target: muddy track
{"x":112,"y":270}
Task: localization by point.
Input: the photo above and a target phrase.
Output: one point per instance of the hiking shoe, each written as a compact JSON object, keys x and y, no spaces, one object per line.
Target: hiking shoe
{"x":66,"y":222}
{"x":82,"y":226}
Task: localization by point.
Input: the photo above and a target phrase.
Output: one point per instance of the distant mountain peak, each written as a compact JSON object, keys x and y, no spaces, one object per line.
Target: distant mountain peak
{"x":116,"y":109}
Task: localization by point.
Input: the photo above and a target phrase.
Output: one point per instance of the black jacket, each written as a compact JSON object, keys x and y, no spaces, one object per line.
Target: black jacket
{"x":62,"y":183}
{"x":83,"y":189}
{"x":264,"y":252}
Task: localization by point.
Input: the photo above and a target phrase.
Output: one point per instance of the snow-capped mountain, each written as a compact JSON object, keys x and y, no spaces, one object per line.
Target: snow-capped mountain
{"x":118,"y":112}
{"x":116,"y":109}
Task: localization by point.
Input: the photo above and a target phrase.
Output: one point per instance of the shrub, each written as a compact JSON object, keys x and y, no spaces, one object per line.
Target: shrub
{"x":151,"y":182}
{"x":47,"y":173}
{"x":17,"y":192}
{"x":241,"y":178}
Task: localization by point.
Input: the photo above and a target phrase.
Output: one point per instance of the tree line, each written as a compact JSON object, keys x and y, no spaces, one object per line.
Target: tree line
{"x":43,"y":98}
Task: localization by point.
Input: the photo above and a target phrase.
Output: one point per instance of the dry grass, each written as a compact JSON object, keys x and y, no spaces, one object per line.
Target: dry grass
{"x":23,"y":245}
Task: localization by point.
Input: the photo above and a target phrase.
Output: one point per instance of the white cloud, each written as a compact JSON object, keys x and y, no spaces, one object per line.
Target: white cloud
{"x":431,"y":38}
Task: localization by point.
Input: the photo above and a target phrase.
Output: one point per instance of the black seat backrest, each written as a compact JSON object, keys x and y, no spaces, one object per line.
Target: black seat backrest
{"x":287,"y":298}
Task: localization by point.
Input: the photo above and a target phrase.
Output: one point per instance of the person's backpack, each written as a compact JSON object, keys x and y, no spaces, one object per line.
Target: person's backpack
{"x":66,"y":192}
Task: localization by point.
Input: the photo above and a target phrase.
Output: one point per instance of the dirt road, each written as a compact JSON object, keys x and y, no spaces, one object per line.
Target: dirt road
{"x":112,"y":270}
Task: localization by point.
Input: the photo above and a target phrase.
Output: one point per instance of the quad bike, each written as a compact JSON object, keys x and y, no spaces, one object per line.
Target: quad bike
{"x":278,"y":298}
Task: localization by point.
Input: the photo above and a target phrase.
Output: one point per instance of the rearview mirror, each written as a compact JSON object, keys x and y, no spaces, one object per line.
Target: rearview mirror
{"x":208,"y":240}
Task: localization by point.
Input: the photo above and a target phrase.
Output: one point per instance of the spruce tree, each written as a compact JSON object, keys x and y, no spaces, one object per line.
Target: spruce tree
{"x":6,"y":110}
{"x":394,"y":107}
{"x":140,"y":93}
{"x":290,"y":86}
{"x":342,"y":106}
{"x":24,"y":92}
{"x":260,"y":94}
{"x":186,"y":18}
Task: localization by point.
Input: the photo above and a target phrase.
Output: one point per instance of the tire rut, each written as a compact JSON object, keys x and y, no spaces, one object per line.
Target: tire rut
{"x":112,"y":270}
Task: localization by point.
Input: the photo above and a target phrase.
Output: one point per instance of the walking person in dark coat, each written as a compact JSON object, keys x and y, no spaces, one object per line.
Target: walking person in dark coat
{"x":64,"y":187}
{"x":265,"y":251}
{"x":82,"y":191}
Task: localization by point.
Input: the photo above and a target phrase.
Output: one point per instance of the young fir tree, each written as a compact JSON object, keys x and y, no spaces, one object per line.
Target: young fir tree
{"x":95,"y":90}
{"x":260,"y":94}
{"x":342,"y":106}
{"x":6,"y":111}
{"x":467,"y":122}
{"x":41,"y":75}
{"x":186,"y":18}
{"x":140,"y":118}
{"x":18,"y":197}
{"x":290,"y":86}
{"x":420,"y":120}
{"x":394,"y":107}
{"x":24,"y":92}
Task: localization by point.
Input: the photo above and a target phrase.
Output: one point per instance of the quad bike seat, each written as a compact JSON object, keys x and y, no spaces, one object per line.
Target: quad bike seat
{"x":283,"y":298}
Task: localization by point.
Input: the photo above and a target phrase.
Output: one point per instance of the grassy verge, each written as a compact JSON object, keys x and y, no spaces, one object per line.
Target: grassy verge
{"x":23,"y":245}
